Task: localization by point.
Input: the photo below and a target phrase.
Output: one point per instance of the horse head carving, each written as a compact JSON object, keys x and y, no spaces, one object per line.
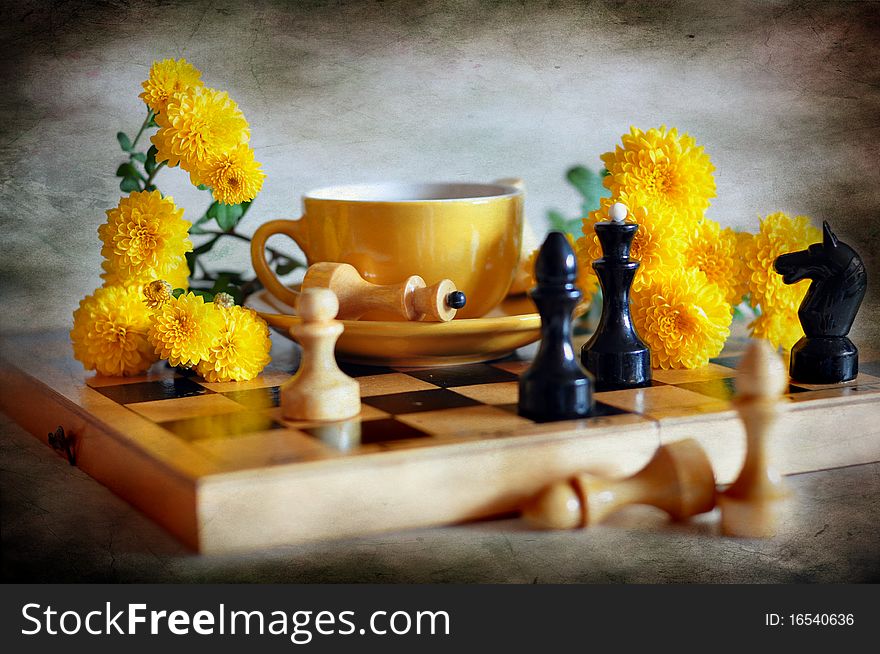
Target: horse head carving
{"x":838,"y":284}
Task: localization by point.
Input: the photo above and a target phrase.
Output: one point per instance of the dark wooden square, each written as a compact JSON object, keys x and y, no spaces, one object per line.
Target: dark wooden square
{"x":417,"y":401}
{"x":351,"y":433}
{"x":466,"y":375}
{"x":256,"y":398}
{"x":163,"y":389}
{"x":237,"y":423}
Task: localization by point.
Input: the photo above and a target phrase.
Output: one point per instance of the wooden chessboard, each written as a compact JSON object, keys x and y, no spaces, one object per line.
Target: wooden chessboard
{"x":218,"y":466}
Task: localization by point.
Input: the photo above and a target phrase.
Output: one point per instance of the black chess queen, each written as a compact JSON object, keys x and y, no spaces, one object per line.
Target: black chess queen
{"x":825,"y":355}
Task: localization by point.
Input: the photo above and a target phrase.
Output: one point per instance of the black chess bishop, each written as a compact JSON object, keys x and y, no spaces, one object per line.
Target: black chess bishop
{"x":555,"y":386}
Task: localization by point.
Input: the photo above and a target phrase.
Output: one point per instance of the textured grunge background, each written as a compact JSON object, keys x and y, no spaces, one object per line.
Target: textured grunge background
{"x":784,"y":96}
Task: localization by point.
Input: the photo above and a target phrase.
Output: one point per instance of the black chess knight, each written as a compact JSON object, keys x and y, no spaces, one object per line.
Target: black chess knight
{"x":555,"y":387}
{"x":825,"y":355}
{"x":615,"y":354}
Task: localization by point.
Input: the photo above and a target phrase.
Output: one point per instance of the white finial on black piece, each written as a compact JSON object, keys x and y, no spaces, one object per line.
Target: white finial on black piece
{"x":618,"y":212}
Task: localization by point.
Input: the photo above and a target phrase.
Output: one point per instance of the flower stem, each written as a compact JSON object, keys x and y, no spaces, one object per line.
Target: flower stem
{"x":275,"y":253}
{"x":150,"y":115}
{"x":153,"y":174}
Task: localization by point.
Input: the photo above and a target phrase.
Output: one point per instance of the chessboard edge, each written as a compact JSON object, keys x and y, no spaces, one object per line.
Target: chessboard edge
{"x":163,"y":494}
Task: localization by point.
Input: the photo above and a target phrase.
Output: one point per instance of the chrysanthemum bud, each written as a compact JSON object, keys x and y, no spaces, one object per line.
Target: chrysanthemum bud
{"x":224,"y":300}
{"x":157,"y":293}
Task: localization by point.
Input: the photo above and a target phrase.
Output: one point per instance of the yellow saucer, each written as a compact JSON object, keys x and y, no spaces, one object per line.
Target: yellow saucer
{"x":384,"y":343}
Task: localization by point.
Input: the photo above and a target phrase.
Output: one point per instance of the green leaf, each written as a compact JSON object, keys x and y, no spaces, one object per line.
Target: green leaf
{"x":560,"y":223}
{"x":124,"y":141}
{"x":152,"y":122}
{"x":226,"y":215}
{"x":150,"y":162}
{"x":288,"y":266}
{"x":207,"y":295}
{"x":204,"y":247}
{"x":203,"y":187}
{"x":589,"y":185}
{"x":129,"y":184}
{"x":138,"y":156}
{"x":127,"y":170}
{"x":177,"y":292}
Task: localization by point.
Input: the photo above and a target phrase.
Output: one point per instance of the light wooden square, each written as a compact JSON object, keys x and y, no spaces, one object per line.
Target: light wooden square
{"x":498,"y":393}
{"x":661,"y":401}
{"x":709,"y":371}
{"x":397,"y":382}
{"x":473,"y":419}
{"x":180,"y":408}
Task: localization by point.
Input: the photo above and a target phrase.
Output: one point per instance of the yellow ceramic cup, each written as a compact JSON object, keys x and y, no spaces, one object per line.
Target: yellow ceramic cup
{"x":469,"y":233}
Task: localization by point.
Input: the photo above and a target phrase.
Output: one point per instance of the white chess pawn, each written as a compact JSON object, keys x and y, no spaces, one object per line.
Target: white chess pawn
{"x":319,"y":390}
{"x":751,"y":506}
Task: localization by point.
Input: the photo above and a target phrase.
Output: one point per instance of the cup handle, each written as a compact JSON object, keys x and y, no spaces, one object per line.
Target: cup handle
{"x":291,"y":228}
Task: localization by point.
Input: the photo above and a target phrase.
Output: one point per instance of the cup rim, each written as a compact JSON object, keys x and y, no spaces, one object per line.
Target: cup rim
{"x":413,"y":192}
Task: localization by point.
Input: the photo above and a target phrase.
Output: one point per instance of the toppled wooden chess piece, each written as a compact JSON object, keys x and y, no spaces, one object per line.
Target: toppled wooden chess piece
{"x":555,"y":387}
{"x":319,"y":390}
{"x":411,"y":299}
{"x":751,"y":506}
{"x":615,"y":354}
{"x":825,"y":355}
{"x":678,"y":479}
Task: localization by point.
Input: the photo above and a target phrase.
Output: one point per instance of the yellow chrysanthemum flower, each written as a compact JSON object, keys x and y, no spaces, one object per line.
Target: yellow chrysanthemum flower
{"x":185,"y":329}
{"x":242,"y":351}
{"x":715,"y":252}
{"x":177,"y":278}
{"x":196,"y":125}
{"x":167,"y":78}
{"x":144,"y":238}
{"x":110,"y":332}
{"x":586,"y":277}
{"x":657,"y":245}
{"x":781,"y":327}
{"x":233,"y":176}
{"x":779,"y":234}
{"x":660,"y":168}
{"x":682,"y":317}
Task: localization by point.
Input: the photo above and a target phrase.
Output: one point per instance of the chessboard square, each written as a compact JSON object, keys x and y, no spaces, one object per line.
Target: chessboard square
{"x":723,"y":388}
{"x":181,"y":408}
{"x":658,"y":401}
{"x":223,"y":425}
{"x":262,"y":448}
{"x":600,"y":410}
{"x":862,"y":379}
{"x":266,"y":380}
{"x":498,"y":393}
{"x":474,"y":420}
{"x":163,"y":389}
{"x":157,"y":372}
{"x":256,"y":398}
{"x":367,"y":413}
{"x":361,"y":370}
{"x":703,"y":373}
{"x":354,"y":433}
{"x":466,"y":375}
{"x":516,"y":367}
{"x":727,"y":361}
{"x":395,"y":382}
{"x":841,"y":390}
{"x":418,"y":401}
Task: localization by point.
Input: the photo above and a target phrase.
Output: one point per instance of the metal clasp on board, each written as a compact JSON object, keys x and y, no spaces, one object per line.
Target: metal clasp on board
{"x":61,"y":442}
